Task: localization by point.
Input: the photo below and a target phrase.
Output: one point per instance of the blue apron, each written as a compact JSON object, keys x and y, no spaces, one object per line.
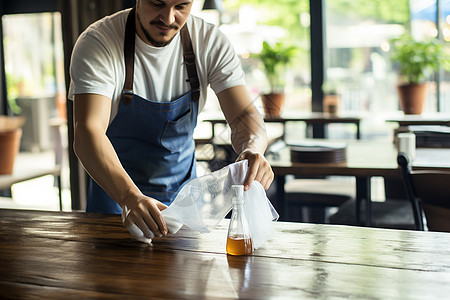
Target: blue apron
{"x":153,"y":140}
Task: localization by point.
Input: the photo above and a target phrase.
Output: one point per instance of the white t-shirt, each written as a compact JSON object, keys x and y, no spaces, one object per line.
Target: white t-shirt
{"x":98,"y":66}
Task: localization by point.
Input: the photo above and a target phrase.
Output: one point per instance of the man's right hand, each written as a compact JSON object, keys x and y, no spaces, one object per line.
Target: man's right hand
{"x":140,"y":214}
{"x":143,"y":218}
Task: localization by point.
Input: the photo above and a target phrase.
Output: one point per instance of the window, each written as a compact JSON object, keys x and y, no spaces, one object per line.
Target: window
{"x":33,"y":52}
{"x":34,"y":69}
{"x":357,"y":61}
{"x":357,"y":56}
{"x":248,"y":23}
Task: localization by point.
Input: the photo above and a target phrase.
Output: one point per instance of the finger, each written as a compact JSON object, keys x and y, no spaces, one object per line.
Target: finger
{"x":268,"y":176}
{"x":159,"y":221}
{"x":267,"y":181}
{"x":144,"y":228}
{"x":151,"y":223}
{"x":263,"y":181}
{"x":251,"y":175}
{"x":125,"y":212}
{"x":265,"y":178}
{"x":161,"y":206}
{"x":153,"y":217}
{"x":138,"y":234}
{"x":259,"y":175}
{"x":150,"y":213}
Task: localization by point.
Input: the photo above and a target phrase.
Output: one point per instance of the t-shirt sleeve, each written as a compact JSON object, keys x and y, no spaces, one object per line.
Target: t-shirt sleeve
{"x":225,"y":69}
{"x":91,"y":68}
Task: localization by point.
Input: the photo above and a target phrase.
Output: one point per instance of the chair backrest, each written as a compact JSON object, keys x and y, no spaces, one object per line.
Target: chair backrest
{"x":428,"y":191}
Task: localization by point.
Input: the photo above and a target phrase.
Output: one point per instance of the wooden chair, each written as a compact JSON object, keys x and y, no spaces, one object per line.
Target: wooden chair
{"x":429,"y":193}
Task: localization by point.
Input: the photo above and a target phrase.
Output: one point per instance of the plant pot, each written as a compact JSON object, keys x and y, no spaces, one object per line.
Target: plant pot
{"x":331,"y":103}
{"x":272,"y":104}
{"x":412,"y":97}
{"x":9,"y":147}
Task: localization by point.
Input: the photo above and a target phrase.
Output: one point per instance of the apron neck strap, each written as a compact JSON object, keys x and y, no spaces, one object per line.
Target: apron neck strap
{"x":129,"y":49}
{"x":189,"y":61}
{"x":129,"y":42}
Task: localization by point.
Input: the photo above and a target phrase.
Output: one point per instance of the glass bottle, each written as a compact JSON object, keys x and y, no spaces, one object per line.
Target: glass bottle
{"x":239,"y":239}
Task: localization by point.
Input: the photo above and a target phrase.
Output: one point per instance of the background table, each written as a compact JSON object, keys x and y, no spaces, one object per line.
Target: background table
{"x":424,"y":119}
{"x":315,"y":122}
{"x":58,"y":255}
{"x":365,"y":159}
{"x":431,"y":129}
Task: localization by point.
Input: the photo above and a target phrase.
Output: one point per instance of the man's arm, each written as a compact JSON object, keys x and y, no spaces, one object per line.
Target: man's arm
{"x":248,"y":134}
{"x":96,"y":153}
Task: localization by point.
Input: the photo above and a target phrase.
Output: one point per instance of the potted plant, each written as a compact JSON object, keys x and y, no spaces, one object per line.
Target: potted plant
{"x":274,"y":60}
{"x":331,"y":98}
{"x":417,"y":60}
{"x":10,"y":134}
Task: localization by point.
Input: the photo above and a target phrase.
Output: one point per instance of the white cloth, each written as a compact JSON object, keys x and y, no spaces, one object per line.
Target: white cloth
{"x":97,"y":64}
{"x":203,"y":202}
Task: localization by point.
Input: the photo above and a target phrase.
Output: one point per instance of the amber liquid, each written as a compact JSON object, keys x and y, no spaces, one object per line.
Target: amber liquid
{"x":239,"y":246}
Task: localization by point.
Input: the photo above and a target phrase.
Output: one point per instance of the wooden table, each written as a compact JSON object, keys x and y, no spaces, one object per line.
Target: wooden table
{"x":424,"y":119}
{"x":57,"y":255}
{"x":365,"y":159}
{"x":314,"y":120}
{"x":431,"y":129}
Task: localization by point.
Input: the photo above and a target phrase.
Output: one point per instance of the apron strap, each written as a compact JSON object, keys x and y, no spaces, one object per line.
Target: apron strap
{"x":130,"y":31}
{"x":189,"y":60}
{"x":129,"y":44}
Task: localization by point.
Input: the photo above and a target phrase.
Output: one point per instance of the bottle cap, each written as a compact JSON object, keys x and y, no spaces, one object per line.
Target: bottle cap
{"x":238,"y":192}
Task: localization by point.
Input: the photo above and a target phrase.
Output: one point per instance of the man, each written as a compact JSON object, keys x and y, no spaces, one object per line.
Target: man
{"x":139,"y":79}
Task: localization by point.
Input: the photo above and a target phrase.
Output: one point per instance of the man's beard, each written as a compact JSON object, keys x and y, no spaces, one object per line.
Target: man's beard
{"x":149,"y":38}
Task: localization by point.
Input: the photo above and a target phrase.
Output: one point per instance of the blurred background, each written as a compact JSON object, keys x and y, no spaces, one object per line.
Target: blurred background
{"x":341,"y":44}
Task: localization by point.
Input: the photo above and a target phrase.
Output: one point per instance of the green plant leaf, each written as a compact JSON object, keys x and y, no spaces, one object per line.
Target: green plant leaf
{"x":274,"y":59}
{"x":418,"y":59}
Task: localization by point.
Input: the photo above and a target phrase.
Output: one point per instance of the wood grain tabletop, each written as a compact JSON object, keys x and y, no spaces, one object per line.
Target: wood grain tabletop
{"x":92,"y":256}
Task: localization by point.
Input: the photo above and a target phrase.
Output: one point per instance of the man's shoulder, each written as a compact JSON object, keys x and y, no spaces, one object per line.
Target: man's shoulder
{"x":204,"y":32}
{"x":109,"y":26}
{"x":199,"y":25}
